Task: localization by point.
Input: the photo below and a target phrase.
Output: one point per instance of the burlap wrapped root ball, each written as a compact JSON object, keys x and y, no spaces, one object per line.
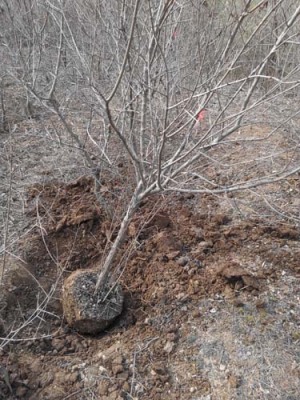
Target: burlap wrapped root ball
{"x":85,"y":311}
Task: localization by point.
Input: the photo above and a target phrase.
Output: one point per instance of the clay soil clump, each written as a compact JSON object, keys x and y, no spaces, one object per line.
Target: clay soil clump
{"x":85,"y":310}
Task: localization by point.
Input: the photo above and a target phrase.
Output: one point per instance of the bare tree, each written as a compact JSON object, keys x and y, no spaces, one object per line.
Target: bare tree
{"x":172,"y":80}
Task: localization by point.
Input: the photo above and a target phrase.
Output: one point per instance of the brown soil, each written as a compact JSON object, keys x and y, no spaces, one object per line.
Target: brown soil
{"x":211,"y":284}
{"x":201,"y":297}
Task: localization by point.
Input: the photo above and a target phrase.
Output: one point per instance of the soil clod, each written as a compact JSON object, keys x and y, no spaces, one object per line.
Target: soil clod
{"x":85,"y":310}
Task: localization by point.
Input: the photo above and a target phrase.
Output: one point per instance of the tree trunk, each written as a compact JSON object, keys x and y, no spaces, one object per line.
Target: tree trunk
{"x":103,"y":276}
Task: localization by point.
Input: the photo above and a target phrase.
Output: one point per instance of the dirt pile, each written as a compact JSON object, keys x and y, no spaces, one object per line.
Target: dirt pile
{"x":189,"y":267}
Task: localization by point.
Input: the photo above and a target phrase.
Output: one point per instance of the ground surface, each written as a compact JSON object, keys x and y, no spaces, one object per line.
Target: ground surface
{"x":211,"y":285}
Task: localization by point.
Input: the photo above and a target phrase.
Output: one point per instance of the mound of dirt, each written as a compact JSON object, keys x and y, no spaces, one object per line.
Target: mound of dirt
{"x":69,"y":222}
{"x":201,"y":298}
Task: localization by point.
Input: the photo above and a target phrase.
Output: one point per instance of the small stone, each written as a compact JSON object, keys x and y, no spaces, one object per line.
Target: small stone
{"x":198,"y":232}
{"x":169,"y":347}
{"x":117,"y":368}
{"x":228,"y":292}
{"x":196,"y":314}
{"x":123,"y":376}
{"x":117,"y":365}
{"x":172,"y":255}
{"x":180,"y":296}
{"x":182,"y":261}
{"x":126,"y":387}
{"x":73,"y":377}
{"x":205,"y":245}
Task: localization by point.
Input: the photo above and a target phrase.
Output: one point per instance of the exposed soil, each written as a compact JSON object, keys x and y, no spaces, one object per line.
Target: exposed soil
{"x":192,"y":264}
{"x":211,"y":296}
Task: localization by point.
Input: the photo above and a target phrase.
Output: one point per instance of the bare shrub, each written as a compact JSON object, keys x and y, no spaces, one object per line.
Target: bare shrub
{"x":144,"y":73}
